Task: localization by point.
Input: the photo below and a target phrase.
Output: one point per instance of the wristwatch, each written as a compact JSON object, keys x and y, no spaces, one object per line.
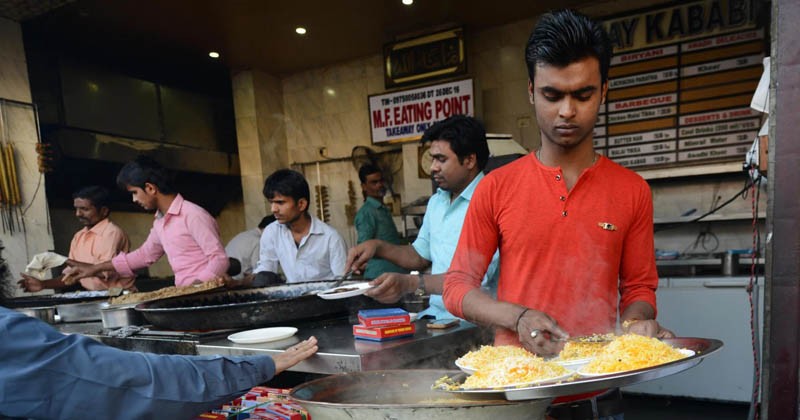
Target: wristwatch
{"x":420,"y":286}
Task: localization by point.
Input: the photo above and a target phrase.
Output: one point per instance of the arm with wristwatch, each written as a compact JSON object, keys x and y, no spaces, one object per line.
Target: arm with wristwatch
{"x":391,"y":287}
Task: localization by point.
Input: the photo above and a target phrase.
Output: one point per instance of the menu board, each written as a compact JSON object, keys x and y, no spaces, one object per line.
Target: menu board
{"x":680,"y":85}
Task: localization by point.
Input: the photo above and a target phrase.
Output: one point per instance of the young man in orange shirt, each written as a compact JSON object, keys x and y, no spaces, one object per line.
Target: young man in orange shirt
{"x":574,"y":229}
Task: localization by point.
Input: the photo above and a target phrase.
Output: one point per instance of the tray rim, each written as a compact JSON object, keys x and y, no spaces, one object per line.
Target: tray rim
{"x":587,"y":384}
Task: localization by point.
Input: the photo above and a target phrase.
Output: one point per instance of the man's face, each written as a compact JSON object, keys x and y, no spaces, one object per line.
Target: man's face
{"x":285,"y":209}
{"x":448,"y":173}
{"x":143,"y":197}
{"x":87,"y":213}
{"x":373,"y":186}
{"x":566,"y":101}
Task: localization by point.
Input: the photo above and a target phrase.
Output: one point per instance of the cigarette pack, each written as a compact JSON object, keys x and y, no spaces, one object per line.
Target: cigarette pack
{"x":383,"y":333}
{"x":383,"y":317}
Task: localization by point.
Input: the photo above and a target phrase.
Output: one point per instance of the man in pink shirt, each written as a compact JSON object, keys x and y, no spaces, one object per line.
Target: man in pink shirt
{"x":98,"y":241}
{"x":182,"y":230}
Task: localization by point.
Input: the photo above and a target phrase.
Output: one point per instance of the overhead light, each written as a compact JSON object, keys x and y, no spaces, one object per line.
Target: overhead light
{"x":330,"y":92}
{"x":408,"y":2}
{"x":213,"y":54}
{"x":300,"y":30}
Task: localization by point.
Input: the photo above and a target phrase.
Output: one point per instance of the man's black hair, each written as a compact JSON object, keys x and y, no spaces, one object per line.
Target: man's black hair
{"x":145,"y":170}
{"x":99,"y":196}
{"x":565,"y":36}
{"x":366,"y":170}
{"x":288,"y":183}
{"x":266,"y":221}
{"x":466,"y":136}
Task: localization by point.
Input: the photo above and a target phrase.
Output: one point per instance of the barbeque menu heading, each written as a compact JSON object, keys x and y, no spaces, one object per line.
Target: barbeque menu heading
{"x":680,"y":85}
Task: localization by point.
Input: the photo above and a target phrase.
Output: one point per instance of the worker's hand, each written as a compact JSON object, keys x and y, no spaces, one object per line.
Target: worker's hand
{"x":29,"y":283}
{"x":647,"y":328}
{"x":77,"y":270}
{"x":359,"y":255}
{"x":232,"y":283}
{"x":295,"y":354}
{"x":390,"y":287}
{"x":540,"y":334}
{"x":664,"y":333}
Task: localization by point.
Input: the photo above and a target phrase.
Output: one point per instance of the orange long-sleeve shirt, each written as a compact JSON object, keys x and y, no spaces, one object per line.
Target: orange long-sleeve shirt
{"x":571,"y":254}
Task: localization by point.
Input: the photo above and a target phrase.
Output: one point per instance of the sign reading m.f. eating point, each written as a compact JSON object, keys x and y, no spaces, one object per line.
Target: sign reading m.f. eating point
{"x":405,"y":115}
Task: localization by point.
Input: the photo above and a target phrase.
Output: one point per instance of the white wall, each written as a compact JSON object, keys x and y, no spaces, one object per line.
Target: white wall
{"x":21,"y":128}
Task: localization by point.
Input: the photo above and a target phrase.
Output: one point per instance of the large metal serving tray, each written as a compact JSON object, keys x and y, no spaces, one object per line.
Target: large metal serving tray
{"x":703,"y":347}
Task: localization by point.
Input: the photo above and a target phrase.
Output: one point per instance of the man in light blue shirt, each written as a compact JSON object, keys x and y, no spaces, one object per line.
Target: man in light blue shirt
{"x":460,"y":152}
{"x":304,"y":247}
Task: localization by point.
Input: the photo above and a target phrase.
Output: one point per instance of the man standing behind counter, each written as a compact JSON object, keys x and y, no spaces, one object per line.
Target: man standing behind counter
{"x":460,"y":152}
{"x":374,"y":220}
{"x":99,"y":240}
{"x":244,"y":247}
{"x":304,"y":247}
{"x":574,"y":229}
{"x":182,"y":230}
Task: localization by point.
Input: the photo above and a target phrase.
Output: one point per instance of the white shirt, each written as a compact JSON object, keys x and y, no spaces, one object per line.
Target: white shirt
{"x":244,"y":247}
{"x":320,"y":256}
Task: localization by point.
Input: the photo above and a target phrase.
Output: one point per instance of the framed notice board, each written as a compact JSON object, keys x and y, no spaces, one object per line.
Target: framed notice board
{"x":680,"y":85}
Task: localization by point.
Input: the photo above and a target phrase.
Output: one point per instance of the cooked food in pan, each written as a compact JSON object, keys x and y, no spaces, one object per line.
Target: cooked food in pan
{"x":167,"y":292}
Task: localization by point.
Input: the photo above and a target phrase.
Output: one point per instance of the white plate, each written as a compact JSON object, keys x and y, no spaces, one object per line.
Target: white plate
{"x":534,"y":383}
{"x":574,"y":364}
{"x":685,"y":352}
{"x":262,"y":335}
{"x":351,"y":290}
{"x":464,"y":368}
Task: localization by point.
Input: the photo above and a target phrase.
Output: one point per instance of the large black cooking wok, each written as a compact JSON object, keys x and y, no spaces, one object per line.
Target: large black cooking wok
{"x":249,"y":307}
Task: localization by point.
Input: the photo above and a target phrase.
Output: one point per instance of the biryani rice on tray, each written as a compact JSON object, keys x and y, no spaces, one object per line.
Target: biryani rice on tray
{"x":632,"y":352}
{"x":486,"y":355}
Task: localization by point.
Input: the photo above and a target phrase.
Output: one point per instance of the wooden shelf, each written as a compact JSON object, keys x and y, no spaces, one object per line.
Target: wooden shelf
{"x":709,"y":218}
{"x":710,"y":169}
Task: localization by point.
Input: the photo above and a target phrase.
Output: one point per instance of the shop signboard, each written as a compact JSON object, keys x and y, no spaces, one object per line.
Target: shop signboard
{"x":405,"y":115}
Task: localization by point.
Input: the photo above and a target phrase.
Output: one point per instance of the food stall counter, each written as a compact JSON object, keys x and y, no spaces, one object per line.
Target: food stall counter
{"x":340,"y":352}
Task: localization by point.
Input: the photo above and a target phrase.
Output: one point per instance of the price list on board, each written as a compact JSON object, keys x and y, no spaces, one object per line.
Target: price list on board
{"x":686,"y":102}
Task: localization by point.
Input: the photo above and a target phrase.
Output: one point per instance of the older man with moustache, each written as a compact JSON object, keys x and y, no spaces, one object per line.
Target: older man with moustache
{"x":98,"y":241}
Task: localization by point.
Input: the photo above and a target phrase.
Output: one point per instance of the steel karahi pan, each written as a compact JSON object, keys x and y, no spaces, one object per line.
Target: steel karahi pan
{"x":404,"y":394}
{"x":245,"y":308}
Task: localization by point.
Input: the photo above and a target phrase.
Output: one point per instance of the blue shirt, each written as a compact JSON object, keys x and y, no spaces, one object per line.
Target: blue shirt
{"x":45,"y":374}
{"x":374,"y":221}
{"x":438,"y":238}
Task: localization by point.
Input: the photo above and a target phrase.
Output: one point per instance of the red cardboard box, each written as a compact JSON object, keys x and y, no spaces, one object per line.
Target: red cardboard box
{"x":383,"y":333}
{"x":383,"y":317}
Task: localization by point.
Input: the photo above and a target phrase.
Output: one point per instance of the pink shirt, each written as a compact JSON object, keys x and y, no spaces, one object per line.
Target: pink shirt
{"x":190,"y":238}
{"x":98,"y":244}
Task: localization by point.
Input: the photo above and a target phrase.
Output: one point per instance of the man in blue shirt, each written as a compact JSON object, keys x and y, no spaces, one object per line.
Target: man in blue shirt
{"x":45,"y":374}
{"x":374,"y":220}
{"x":460,"y":152}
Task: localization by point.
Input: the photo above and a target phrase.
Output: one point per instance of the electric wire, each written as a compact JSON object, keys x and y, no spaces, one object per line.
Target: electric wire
{"x":752,"y":288}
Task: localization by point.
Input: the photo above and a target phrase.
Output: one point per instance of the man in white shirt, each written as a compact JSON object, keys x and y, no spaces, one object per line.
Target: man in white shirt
{"x":244,"y":247}
{"x":304,"y":247}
